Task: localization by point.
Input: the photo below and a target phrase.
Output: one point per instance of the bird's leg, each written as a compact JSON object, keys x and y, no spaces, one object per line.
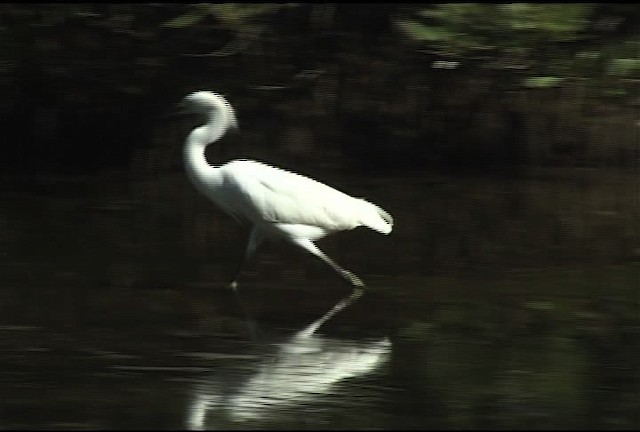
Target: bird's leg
{"x":255,"y":238}
{"x":252,"y":328}
{"x":311,"y":247}
{"x":311,"y":328}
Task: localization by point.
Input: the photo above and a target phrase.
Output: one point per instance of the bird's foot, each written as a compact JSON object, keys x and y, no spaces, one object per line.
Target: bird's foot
{"x":353,"y":279}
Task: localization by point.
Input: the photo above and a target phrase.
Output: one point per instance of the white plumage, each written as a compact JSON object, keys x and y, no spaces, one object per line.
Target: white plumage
{"x":276,"y":202}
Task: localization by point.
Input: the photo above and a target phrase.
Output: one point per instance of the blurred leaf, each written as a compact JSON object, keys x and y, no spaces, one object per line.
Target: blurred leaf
{"x":421,"y":32}
{"x":234,"y":14}
{"x":624,"y":66}
{"x":190,"y":18}
{"x":542,"y":81}
{"x":540,"y":305}
{"x":614,"y":92}
{"x":588,"y":55}
{"x":466,"y":28}
{"x":559,"y":21}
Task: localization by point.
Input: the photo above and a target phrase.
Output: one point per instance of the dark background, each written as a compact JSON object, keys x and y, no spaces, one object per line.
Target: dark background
{"x":380,"y":87}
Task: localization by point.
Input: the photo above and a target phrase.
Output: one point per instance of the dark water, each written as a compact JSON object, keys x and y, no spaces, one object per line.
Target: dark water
{"x":494,"y":304}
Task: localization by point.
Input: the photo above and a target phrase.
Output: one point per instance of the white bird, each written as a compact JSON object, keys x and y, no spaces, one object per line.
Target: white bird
{"x":277,"y":203}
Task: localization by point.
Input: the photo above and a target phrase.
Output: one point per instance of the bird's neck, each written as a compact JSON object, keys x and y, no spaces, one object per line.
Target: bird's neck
{"x":203,"y":175}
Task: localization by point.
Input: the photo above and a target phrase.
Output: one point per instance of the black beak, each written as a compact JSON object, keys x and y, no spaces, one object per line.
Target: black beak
{"x":178,"y":109}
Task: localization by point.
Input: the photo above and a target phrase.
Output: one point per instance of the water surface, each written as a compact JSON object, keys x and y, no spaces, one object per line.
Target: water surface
{"x":494,"y":304}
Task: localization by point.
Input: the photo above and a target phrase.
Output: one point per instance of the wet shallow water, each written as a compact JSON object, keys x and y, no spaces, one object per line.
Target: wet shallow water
{"x":487,"y":308}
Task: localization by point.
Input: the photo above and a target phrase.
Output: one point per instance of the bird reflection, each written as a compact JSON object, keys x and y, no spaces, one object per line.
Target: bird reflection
{"x":304,"y":367}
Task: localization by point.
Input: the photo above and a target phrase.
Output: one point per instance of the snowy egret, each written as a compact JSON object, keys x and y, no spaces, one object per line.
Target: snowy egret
{"x":277,"y":203}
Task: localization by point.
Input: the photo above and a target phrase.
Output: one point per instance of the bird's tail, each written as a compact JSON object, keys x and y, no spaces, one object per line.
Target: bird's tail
{"x":376,"y":218}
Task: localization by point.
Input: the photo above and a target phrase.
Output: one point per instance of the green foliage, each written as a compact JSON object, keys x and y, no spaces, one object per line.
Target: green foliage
{"x":542,"y":81}
{"x":624,"y":67}
{"x":542,"y":45}
{"x":188,"y":19}
{"x":556,"y":22}
{"x":230,"y":15}
{"x":463,"y":29}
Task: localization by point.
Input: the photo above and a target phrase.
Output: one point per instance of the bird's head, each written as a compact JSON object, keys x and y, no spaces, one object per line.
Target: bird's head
{"x":206,"y":102}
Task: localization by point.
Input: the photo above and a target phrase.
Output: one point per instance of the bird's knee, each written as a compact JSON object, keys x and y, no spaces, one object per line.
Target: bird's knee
{"x":355,"y":280}
{"x":357,"y":293}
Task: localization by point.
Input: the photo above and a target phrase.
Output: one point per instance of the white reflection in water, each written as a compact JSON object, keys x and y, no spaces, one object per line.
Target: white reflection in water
{"x":304,"y":367}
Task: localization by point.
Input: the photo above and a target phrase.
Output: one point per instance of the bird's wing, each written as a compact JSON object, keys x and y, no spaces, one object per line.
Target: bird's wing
{"x":263,"y":193}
